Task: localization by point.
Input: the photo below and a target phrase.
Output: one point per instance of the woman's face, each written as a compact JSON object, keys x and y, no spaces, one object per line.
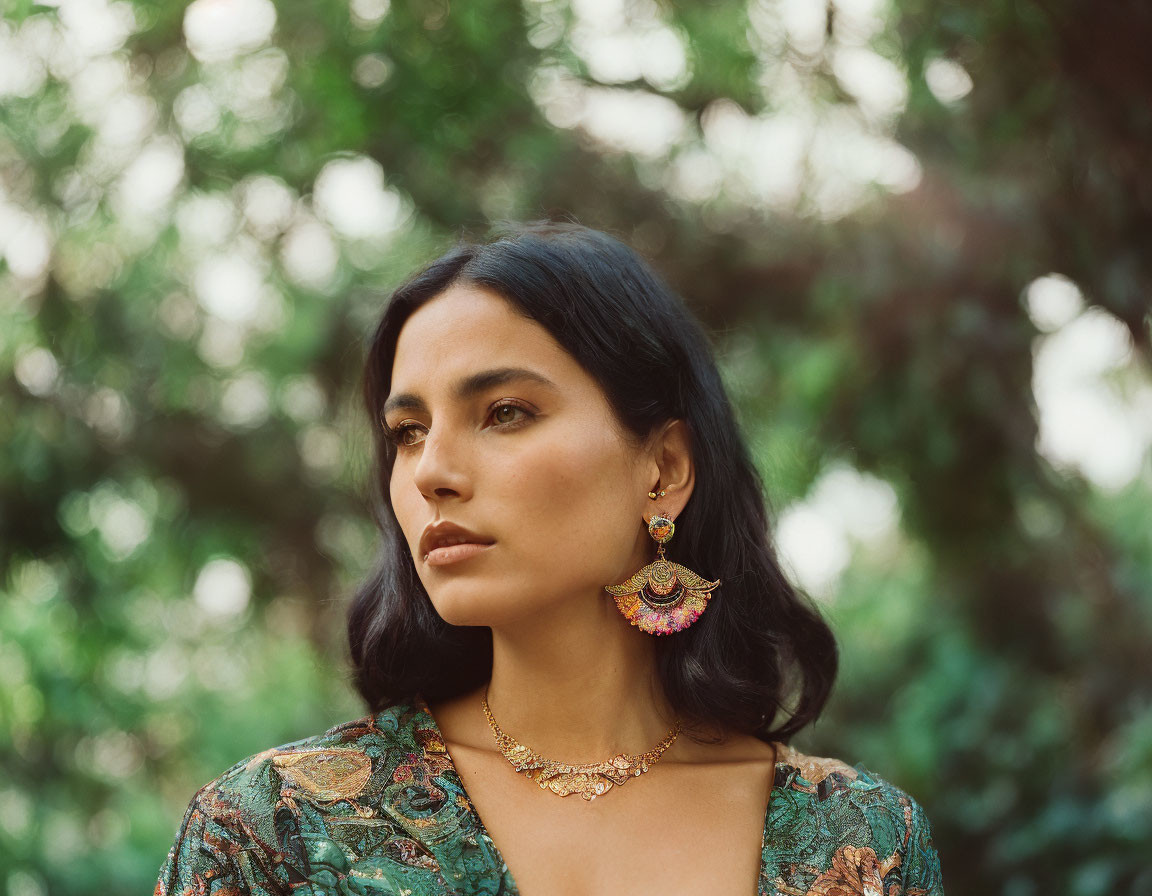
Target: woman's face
{"x":533,"y":462}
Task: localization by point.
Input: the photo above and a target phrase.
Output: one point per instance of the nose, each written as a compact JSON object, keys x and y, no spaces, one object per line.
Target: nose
{"x":439,"y":472}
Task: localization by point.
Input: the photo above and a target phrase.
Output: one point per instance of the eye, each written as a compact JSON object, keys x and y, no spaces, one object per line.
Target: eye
{"x":503,"y":413}
{"x":399,"y":435}
{"x":509,"y":406}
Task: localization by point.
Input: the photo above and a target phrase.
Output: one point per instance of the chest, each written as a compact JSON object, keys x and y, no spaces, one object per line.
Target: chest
{"x":680,"y":828}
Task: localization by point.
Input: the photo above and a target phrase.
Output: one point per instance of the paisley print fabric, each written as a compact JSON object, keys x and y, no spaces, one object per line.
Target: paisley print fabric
{"x":375,"y":806}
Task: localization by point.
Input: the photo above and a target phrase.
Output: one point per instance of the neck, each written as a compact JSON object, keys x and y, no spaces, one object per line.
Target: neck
{"x":577,"y":684}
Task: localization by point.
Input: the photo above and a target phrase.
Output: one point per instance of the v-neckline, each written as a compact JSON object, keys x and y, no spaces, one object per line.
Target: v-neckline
{"x":422,"y":706}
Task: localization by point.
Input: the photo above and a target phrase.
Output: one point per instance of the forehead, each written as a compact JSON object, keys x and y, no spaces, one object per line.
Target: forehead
{"x":467,"y":327}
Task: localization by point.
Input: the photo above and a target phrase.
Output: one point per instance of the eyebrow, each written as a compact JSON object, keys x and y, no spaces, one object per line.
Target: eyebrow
{"x":469,"y":387}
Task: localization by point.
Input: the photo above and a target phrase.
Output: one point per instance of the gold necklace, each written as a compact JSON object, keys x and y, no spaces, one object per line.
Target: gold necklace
{"x":591,"y":780}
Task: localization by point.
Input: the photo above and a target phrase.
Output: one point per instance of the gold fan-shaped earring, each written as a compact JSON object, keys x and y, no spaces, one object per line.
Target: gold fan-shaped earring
{"x":663,"y":597}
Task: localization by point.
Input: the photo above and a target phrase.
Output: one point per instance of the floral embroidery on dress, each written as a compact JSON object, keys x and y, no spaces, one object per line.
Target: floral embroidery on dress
{"x":855,"y":871}
{"x":325,"y":775}
{"x":421,"y":768}
{"x":874,"y":838}
{"x":814,"y":768}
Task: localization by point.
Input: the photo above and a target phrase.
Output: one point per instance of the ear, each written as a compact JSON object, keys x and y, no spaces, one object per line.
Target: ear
{"x":670,"y":469}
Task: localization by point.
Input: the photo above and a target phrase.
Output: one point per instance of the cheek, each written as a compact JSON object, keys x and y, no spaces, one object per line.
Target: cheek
{"x":405,"y":504}
{"x":570,"y":504}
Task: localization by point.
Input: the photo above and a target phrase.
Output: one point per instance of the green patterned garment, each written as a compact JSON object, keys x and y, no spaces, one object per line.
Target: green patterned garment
{"x":376,"y":806}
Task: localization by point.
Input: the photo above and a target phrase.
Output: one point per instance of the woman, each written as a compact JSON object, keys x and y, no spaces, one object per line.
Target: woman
{"x":578,"y":649}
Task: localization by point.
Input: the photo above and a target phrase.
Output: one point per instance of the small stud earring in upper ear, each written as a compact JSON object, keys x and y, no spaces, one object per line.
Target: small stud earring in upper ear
{"x":654,"y":496}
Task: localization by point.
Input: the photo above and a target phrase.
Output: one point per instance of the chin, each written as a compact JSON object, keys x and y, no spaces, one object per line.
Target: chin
{"x":472,"y":609}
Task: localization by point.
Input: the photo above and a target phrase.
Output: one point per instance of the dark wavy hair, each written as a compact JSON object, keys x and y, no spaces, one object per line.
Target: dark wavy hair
{"x":760,"y":660}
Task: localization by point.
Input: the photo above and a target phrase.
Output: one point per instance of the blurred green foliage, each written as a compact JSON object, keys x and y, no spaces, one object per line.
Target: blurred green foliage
{"x":203,"y":208}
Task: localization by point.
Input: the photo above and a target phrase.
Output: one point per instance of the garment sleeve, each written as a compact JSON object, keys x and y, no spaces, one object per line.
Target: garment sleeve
{"x":202,"y":859}
{"x":921,"y":862}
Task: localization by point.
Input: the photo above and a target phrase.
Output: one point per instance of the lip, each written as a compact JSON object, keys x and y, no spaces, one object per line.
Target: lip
{"x":433,"y":536}
{"x":454,"y":553}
